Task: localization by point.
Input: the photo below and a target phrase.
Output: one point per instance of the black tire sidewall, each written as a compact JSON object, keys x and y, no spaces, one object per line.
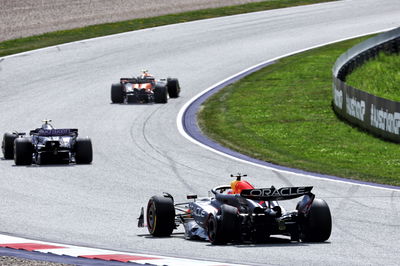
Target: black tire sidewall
{"x":83,"y":151}
{"x":160,"y":216}
{"x":7,"y":145}
{"x":117,"y":94}
{"x":173,"y":87}
{"x":23,"y":151}
{"x":213,"y":230}
{"x":317,"y":226}
{"x":224,"y":227}
{"x":160,"y":94}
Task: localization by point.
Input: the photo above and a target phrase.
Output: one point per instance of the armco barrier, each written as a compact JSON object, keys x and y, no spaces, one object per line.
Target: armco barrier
{"x":377,"y":115}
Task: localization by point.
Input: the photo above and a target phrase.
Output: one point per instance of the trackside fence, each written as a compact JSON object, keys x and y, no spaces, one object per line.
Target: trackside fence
{"x":377,"y":115}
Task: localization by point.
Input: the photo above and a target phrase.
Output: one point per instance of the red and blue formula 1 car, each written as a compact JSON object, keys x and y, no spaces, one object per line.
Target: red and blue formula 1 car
{"x":241,"y":213}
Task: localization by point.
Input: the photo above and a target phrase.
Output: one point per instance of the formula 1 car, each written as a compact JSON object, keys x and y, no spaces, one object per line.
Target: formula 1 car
{"x":244,"y":214}
{"x":144,"y":89}
{"x":47,"y":145}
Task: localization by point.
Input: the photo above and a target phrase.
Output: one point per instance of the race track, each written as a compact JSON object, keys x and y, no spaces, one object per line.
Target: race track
{"x":139,"y":152}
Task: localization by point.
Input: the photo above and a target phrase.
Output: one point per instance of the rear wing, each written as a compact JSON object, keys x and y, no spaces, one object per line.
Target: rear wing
{"x":137,"y":80}
{"x":285,"y":193}
{"x":128,"y":80}
{"x":55,"y":132}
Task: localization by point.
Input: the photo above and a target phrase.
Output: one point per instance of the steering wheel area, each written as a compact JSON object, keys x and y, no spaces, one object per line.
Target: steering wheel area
{"x":220,"y":189}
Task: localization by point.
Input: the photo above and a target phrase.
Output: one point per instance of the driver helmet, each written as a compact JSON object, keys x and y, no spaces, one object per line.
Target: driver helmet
{"x":237,"y":186}
{"x":145,"y":74}
{"x":46,"y":125}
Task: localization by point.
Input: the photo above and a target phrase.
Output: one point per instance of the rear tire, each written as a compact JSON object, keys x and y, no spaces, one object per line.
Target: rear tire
{"x":117,"y":93}
{"x":160,"y":94}
{"x":160,"y":216}
{"x":224,"y":228}
{"x":23,"y":150}
{"x":317,"y":226}
{"x":7,"y":145}
{"x":83,"y":151}
{"x":173,"y":87}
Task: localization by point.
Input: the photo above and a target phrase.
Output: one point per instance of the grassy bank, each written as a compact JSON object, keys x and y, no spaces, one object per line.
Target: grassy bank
{"x":282,"y":114}
{"x":379,"y":76}
{"x":59,"y":37}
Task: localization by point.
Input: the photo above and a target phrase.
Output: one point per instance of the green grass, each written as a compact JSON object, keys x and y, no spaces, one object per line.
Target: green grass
{"x":282,"y":114}
{"x":379,"y":76}
{"x":59,"y":37}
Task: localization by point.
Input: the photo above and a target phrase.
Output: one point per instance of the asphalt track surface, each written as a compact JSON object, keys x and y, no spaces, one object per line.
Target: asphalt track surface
{"x":139,"y":152}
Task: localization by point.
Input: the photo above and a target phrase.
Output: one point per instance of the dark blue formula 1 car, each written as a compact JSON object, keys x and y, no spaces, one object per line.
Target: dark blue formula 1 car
{"x":244,"y":214}
{"x":47,"y":145}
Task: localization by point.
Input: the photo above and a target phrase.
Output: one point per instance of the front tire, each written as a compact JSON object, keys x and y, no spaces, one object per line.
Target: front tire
{"x":7,"y":145}
{"x":117,"y":93}
{"x":160,"y":216}
{"x":83,"y":151}
{"x":23,"y":150}
{"x":317,"y":226}
{"x":173,"y":87}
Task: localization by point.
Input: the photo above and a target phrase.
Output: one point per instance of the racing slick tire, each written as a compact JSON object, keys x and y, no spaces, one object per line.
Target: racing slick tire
{"x":317,"y":226}
{"x":83,"y":151}
{"x":173,"y":87}
{"x":7,"y":145}
{"x":160,"y":94}
{"x":160,"y":216}
{"x":23,"y":150}
{"x":117,"y":94}
{"x":224,"y":228}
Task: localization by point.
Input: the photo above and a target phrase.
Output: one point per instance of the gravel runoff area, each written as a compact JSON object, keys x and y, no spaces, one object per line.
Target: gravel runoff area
{"x":24,"y":18}
{"x":13,"y":261}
